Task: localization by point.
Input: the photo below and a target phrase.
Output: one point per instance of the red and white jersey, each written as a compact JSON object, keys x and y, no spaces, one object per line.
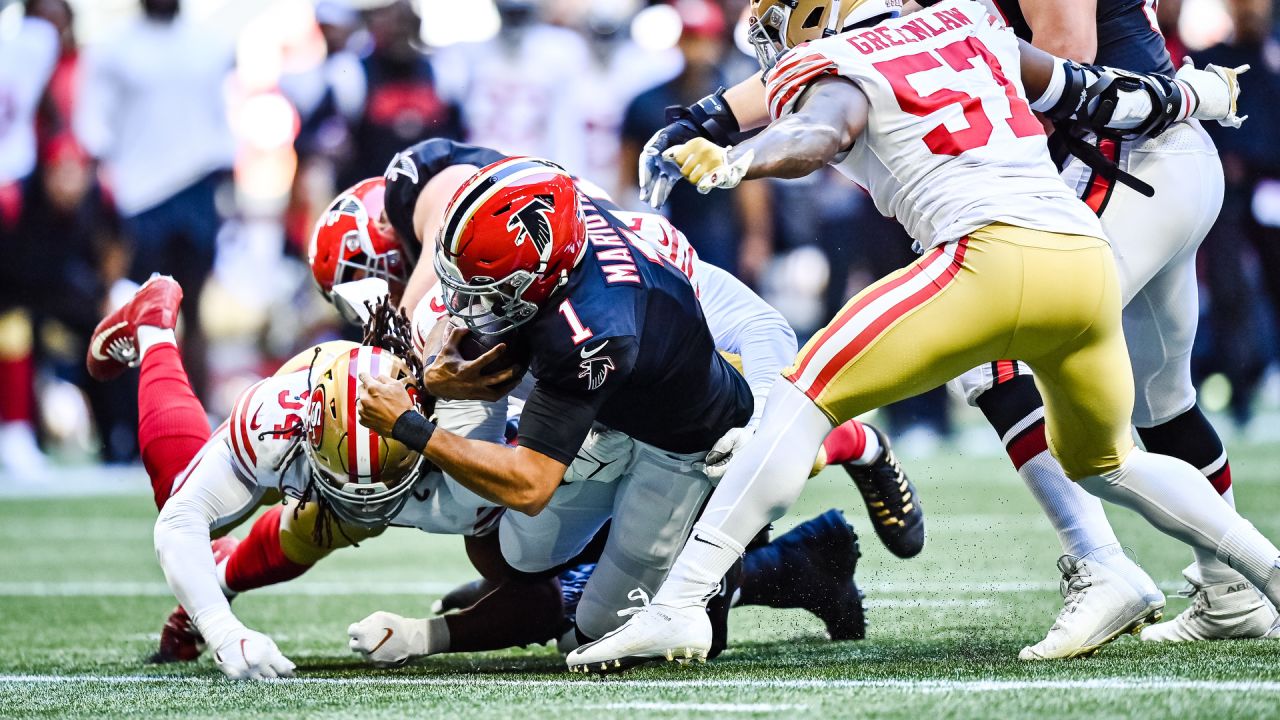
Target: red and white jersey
{"x":951,"y":144}
{"x":260,"y":432}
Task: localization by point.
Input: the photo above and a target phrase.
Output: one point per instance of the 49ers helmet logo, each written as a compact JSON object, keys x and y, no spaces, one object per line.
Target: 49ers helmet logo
{"x":533,"y":221}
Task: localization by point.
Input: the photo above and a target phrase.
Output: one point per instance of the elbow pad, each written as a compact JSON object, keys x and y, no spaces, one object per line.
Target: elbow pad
{"x":710,"y":117}
{"x":1118,"y":103}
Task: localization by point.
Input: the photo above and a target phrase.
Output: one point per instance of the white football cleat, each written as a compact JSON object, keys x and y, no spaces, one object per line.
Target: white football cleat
{"x":654,"y":632}
{"x":1225,"y":611}
{"x":1105,"y":595}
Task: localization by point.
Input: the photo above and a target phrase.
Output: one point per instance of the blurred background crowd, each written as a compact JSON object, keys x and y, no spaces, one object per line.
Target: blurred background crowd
{"x":201,"y":138}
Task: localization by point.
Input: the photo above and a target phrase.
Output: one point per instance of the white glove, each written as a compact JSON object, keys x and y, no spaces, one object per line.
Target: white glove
{"x":1217,"y":88}
{"x":246,"y":654}
{"x":707,"y":165}
{"x":717,"y":460}
{"x":387,"y":640}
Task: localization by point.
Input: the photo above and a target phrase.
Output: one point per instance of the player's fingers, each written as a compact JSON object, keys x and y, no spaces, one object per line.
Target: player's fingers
{"x":488,"y":356}
{"x":501,"y":377}
{"x":283,"y":666}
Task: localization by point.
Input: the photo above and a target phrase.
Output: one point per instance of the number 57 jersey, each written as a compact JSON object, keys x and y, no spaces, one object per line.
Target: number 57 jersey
{"x":951,"y":144}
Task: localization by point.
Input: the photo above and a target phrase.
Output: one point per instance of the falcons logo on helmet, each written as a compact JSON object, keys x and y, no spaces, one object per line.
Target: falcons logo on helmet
{"x":595,"y":370}
{"x":532,"y":221}
{"x":402,"y":165}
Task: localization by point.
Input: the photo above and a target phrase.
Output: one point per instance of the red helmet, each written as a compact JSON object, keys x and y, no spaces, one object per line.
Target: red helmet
{"x":510,"y":236}
{"x":350,"y":243}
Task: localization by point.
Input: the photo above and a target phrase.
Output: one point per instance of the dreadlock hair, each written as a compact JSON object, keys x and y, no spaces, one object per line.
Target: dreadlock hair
{"x":389,"y":328}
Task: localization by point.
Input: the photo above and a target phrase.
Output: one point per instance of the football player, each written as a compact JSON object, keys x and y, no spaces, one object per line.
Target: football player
{"x":1155,"y":238}
{"x":929,"y":113}
{"x":380,"y":225}
{"x":284,"y":439}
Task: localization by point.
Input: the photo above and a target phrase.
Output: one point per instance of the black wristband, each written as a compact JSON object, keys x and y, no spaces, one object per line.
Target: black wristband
{"x":413,"y":430}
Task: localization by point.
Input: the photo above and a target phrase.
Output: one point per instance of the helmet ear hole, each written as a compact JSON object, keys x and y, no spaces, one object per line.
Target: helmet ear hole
{"x":814,"y":19}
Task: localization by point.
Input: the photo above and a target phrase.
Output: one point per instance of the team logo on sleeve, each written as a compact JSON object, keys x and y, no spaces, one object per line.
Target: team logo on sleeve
{"x":533,"y":222}
{"x":595,"y":368}
{"x":402,"y":165}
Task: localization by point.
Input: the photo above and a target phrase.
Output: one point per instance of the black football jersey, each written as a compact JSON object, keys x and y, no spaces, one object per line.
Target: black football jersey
{"x":625,"y":344}
{"x":410,"y":171}
{"x":1127,"y":36}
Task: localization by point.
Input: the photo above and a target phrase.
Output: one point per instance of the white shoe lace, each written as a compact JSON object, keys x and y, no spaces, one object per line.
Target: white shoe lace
{"x":1073,"y":585}
{"x":636,"y":595}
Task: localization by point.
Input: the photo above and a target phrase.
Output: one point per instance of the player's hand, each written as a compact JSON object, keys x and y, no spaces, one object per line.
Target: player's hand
{"x":386,"y":640}
{"x":380,"y":402}
{"x":246,"y":654}
{"x":452,"y":377}
{"x":717,"y":460}
{"x":658,"y":174}
{"x":1218,"y":89}
{"x":709,"y":166}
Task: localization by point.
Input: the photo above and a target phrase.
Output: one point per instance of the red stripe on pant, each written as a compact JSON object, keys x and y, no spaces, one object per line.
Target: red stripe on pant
{"x":172,"y":425}
{"x":884,"y":320}
{"x":1100,"y":187}
{"x":1005,"y":371}
{"x":845,"y":316}
{"x":259,"y":560}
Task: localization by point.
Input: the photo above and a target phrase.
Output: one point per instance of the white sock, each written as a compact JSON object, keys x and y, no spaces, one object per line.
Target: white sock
{"x":1174,"y":497}
{"x":870,"y":448}
{"x":437,"y":635}
{"x":1076,"y":516}
{"x":758,"y":488}
{"x":149,"y":337}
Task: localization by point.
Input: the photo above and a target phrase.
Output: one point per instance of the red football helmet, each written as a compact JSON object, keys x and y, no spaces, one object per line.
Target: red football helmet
{"x":350,"y":241}
{"x":510,"y":237}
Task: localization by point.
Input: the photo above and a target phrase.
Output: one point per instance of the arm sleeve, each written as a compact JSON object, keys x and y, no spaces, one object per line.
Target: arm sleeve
{"x":560,"y":410}
{"x":212,"y":495}
{"x":742,"y":322}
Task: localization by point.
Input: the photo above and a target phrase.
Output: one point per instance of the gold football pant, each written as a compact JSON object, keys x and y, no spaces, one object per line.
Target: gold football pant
{"x":1049,"y":299}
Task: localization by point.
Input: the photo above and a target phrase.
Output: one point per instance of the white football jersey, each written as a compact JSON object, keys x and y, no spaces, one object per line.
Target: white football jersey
{"x":951,"y":144}
{"x":259,"y":434}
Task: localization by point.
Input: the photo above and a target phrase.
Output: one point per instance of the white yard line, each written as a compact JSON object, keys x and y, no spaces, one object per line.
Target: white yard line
{"x":155,"y":588}
{"x":589,"y":684}
{"x":751,"y":708}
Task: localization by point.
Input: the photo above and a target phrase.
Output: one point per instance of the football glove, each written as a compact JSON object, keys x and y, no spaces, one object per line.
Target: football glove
{"x":708,"y":118}
{"x":245,"y":654}
{"x":717,"y":460}
{"x":388,"y":640}
{"x":707,"y":165}
{"x":1218,"y":89}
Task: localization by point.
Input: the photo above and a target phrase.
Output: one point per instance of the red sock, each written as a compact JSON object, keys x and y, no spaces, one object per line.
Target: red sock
{"x":259,"y":560}
{"x":846,"y":443}
{"x":172,"y":426}
{"x":17,"y":377}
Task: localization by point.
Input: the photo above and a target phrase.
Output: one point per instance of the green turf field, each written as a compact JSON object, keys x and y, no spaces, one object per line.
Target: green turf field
{"x":82,"y":601}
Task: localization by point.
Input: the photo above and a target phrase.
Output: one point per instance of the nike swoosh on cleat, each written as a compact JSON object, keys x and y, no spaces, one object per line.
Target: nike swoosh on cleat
{"x":382,"y":642}
{"x":599,"y":347}
{"x":95,"y":348}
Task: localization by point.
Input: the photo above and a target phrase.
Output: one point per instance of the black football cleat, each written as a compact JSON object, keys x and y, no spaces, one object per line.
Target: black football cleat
{"x":891,"y":499}
{"x":811,"y":567}
{"x":718,"y":609}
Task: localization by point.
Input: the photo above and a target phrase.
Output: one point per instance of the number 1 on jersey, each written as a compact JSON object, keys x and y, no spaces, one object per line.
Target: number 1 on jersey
{"x":581,"y":333}
{"x":959,"y":56}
